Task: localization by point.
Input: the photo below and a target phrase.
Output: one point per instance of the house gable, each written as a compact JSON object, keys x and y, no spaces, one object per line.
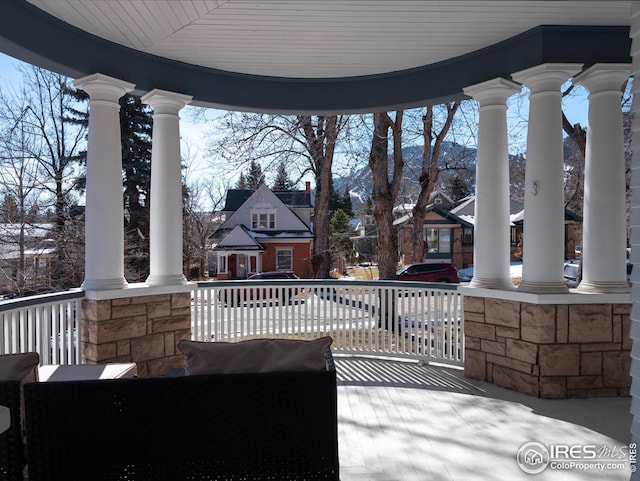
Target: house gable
{"x":265,"y":200}
{"x":434,"y":216}
{"x":239,"y":238}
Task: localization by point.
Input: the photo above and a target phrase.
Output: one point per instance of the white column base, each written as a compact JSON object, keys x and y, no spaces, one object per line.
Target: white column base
{"x":166,"y":280}
{"x":104,"y":284}
{"x":601,"y":287}
{"x":486,"y":283}
{"x":543,"y":287}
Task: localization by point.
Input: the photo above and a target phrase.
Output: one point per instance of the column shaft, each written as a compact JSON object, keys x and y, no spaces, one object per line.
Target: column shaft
{"x":165,"y":237}
{"x":491,"y":253}
{"x":543,"y":237}
{"x":604,"y":228}
{"x":104,"y":215}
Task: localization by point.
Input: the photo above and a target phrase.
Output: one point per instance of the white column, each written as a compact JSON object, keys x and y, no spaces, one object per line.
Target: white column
{"x":604,"y":240}
{"x":543,"y":239}
{"x":491,"y":248}
{"x":104,"y":214}
{"x":218,"y":263}
{"x":165,"y":237}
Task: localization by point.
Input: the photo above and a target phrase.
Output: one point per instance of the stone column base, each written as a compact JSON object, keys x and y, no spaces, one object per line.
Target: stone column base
{"x":143,"y":329}
{"x":549,"y":350}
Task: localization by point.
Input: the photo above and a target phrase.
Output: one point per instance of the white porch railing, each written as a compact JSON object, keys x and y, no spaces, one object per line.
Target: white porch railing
{"x":381,"y":318}
{"x":48,"y":324}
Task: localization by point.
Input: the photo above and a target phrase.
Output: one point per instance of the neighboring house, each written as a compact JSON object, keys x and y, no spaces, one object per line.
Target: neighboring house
{"x":265,"y":231}
{"x":366,"y":242}
{"x":37,"y":248}
{"x":449,"y":232}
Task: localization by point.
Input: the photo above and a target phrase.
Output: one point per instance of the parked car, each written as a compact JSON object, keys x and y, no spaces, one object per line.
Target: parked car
{"x":273,"y":275}
{"x":231,"y":295}
{"x":571,"y":271}
{"x":428,"y":272}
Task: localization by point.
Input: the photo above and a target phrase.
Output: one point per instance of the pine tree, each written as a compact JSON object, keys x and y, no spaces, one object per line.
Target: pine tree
{"x":242,"y":183}
{"x":346,"y":204}
{"x":282,"y":180}
{"x":458,"y":187}
{"x":136,"y":124}
{"x":340,"y":238}
{"x":9,"y":209}
{"x":255,"y":176}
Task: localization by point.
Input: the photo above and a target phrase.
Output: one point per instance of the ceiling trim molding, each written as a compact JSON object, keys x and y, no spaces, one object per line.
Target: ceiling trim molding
{"x":32,"y":35}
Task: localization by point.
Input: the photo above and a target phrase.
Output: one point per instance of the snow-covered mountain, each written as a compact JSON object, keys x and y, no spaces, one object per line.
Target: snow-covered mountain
{"x":359,"y":181}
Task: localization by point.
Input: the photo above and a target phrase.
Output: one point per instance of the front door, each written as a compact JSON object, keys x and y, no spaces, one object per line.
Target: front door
{"x":241,"y":266}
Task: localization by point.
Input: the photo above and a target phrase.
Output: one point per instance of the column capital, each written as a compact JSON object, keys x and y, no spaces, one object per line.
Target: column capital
{"x":165,"y":102}
{"x":546,"y":77}
{"x":493,"y":92}
{"x":103,"y":87}
{"x":602,"y":77}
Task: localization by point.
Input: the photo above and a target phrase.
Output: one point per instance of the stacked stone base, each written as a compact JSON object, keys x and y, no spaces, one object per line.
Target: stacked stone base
{"x":144,"y":330}
{"x":549,"y":350}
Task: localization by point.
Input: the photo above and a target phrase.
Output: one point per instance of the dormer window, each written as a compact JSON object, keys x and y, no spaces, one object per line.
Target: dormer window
{"x":263,"y":219}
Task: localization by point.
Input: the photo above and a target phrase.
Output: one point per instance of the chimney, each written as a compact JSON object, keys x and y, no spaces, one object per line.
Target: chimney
{"x":307,"y":187}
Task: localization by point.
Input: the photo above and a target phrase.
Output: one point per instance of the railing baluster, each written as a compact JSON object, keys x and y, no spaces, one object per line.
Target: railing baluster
{"x":423,"y":321}
{"x":47,"y":324}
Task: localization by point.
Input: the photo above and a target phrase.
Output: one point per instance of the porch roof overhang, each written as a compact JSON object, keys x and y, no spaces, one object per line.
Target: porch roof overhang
{"x":312,"y":57}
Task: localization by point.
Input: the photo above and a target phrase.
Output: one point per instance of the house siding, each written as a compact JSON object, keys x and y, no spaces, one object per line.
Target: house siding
{"x":301,"y":256}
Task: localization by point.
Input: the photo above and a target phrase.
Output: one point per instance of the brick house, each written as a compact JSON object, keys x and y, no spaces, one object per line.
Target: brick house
{"x":264,"y":231}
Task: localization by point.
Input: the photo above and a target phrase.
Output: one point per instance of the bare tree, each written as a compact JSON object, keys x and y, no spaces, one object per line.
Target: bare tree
{"x":321,"y":137}
{"x":202,"y":206}
{"x":53,"y":147}
{"x":20,"y":185}
{"x":578,"y":134}
{"x":385,"y":189}
{"x":431,"y":169}
{"x":306,"y":143}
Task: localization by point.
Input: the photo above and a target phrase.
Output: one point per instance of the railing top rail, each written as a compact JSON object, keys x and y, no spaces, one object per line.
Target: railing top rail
{"x":331,"y":282}
{"x":20,"y":303}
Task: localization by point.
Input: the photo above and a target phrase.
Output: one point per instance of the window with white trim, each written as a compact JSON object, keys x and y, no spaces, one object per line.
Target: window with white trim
{"x":263,"y":220}
{"x":284,"y":259}
{"x":438,"y":240}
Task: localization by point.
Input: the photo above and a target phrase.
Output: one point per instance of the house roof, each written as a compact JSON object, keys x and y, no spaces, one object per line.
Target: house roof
{"x":238,"y":238}
{"x":439,"y":209}
{"x":236,"y":231}
{"x":31,"y":231}
{"x":466,"y":206}
{"x":463,"y":212}
{"x":465,"y":209}
{"x":312,"y":56}
{"x":291,"y":198}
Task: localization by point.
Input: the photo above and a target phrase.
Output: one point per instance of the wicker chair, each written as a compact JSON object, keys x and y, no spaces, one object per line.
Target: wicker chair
{"x":12,"y":459}
{"x":271,"y":426}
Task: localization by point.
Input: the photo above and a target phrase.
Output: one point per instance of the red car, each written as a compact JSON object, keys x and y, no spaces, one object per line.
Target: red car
{"x":428,"y":272}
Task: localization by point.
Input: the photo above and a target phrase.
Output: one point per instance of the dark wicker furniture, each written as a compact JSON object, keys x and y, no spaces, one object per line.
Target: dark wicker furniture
{"x":11,"y":448}
{"x":250,"y":427}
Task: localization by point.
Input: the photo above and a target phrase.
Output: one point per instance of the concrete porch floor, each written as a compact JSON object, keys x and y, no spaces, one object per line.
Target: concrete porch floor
{"x":399,"y":421}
